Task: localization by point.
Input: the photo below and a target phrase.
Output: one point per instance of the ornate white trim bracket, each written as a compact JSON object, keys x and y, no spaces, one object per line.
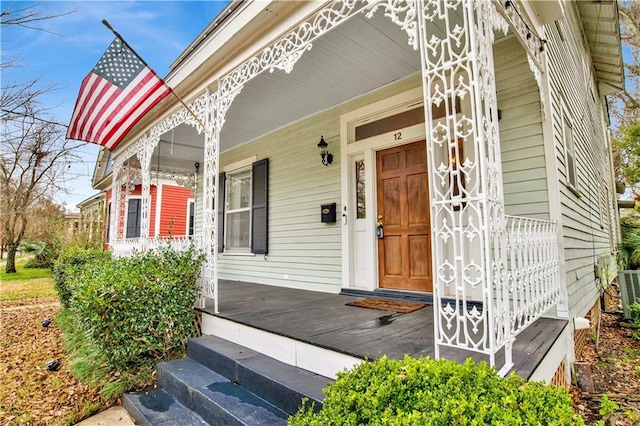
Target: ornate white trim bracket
{"x":534,"y":45}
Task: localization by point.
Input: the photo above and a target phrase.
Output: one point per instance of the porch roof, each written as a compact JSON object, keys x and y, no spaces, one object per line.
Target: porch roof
{"x":602,"y":31}
{"x":351,"y":60}
{"x":324,"y":320}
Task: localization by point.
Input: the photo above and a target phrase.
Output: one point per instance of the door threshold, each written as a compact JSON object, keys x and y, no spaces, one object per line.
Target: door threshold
{"x":389,"y":294}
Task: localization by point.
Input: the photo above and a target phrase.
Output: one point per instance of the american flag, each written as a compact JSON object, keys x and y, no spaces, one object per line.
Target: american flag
{"x":114,"y":96}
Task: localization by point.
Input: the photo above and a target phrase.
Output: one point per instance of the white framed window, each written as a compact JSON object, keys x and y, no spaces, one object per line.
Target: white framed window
{"x":243,"y":217}
{"x":134,"y":210}
{"x":571,"y":169}
{"x":191,"y":217}
{"x":238,"y":211}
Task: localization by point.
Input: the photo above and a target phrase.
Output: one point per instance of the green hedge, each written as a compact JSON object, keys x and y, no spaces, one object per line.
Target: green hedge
{"x":139,"y":308}
{"x":70,"y":264}
{"x":428,"y":392}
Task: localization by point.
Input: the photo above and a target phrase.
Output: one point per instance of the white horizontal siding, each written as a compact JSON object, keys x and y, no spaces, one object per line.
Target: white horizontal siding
{"x":521,"y":138}
{"x":586,"y":223}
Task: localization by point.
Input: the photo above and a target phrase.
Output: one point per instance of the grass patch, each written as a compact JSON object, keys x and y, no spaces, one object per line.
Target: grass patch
{"x":22,"y":273}
{"x":27,"y":289}
{"x":89,"y":364}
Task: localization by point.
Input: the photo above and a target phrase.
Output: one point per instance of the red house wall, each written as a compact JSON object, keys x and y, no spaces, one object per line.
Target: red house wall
{"x":174,"y":201}
{"x":174,"y":210}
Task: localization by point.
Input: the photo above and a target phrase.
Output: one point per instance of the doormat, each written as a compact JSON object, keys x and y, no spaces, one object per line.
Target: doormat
{"x":399,"y":306}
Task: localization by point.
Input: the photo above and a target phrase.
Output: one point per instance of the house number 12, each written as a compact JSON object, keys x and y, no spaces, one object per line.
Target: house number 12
{"x":397,"y":136}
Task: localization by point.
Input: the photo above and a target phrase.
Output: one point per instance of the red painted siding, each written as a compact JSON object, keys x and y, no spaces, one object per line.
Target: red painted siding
{"x":173,"y":213}
{"x":173,"y":209}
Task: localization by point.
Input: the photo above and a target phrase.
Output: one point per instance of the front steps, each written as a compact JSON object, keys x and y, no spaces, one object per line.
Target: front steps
{"x":222,"y":383}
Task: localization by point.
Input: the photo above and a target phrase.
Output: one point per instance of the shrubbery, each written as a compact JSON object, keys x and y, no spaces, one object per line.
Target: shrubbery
{"x":126,"y":314}
{"x":428,"y":392}
{"x":70,"y":264}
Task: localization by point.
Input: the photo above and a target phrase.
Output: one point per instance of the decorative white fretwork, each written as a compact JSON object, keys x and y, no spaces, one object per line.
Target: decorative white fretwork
{"x":130,"y":246}
{"x":533,"y":269}
{"x":401,"y":13}
{"x":534,"y":45}
{"x":287,"y":50}
{"x":116,"y":189}
{"x":471,"y":304}
{"x":144,"y":156}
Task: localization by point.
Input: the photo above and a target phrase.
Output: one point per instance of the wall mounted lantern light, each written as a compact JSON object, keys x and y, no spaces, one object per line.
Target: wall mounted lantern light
{"x":327,"y":157}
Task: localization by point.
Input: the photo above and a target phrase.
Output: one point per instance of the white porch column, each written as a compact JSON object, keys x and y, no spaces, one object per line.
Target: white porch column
{"x":210,"y":200}
{"x":91,"y":225}
{"x":220,"y":101}
{"x":471,"y":295}
{"x":144,"y":156}
{"x":116,"y":189}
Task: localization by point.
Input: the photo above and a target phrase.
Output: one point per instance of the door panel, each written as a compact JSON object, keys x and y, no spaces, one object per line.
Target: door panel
{"x":404,"y":251}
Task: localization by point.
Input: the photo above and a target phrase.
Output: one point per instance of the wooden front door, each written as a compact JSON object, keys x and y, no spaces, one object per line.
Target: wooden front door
{"x":404,"y":250}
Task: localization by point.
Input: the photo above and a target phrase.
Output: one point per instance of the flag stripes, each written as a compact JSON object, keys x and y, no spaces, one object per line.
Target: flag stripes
{"x":114,"y":96}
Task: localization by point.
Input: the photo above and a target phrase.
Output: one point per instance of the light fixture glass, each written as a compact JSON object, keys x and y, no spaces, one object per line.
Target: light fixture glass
{"x":327,"y":157}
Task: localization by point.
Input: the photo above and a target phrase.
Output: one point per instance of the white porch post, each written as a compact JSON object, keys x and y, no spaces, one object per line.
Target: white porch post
{"x":209,"y":207}
{"x":144,"y":156}
{"x":116,"y":189}
{"x":121,"y":208}
{"x":465,"y":178}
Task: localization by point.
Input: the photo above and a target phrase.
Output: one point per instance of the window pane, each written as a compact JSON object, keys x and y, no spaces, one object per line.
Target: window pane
{"x":192,"y":218}
{"x":239,"y":190}
{"x":360,"y":191}
{"x":133,"y":219}
{"x":571,"y":156}
{"x":238,"y":230}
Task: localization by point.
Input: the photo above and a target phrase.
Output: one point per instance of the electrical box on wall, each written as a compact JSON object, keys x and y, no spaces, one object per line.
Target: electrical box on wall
{"x":328,"y":213}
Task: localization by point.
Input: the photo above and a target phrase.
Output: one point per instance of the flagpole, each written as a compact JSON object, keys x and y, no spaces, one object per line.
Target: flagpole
{"x":106,"y":24}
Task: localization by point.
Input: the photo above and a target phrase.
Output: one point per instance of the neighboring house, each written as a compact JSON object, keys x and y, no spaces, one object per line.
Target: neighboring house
{"x":92,"y":217}
{"x":171,"y":207}
{"x":359,"y":146}
{"x":72,"y":223}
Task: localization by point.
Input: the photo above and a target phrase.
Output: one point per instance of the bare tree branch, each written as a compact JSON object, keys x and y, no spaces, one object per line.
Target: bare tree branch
{"x":28,"y":16}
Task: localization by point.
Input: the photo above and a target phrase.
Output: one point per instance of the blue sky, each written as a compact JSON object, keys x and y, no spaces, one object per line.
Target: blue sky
{"x":71,"y":46}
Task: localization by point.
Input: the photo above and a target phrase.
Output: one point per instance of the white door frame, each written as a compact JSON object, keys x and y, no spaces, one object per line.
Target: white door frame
{"x":367,"y":278}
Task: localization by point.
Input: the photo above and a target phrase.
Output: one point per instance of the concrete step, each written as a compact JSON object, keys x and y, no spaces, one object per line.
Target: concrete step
{"x":222,"y":383}
{"x":216,"y":399}
{"x":278,"y":383}
{"x":156,"y":407}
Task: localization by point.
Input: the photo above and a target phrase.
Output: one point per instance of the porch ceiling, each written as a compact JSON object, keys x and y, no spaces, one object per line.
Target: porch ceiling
{"x":602,"y":32}
{"x":353,"y":59}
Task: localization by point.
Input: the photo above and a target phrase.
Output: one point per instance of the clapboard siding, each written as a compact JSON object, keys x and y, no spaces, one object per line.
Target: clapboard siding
{"x":173,"y":211}
{"x":303,"y":252}
{"x":586,"y":223}
{"x":521,"y":137}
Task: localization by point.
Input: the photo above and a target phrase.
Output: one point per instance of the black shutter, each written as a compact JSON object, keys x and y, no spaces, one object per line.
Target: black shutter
{"x":260,"y":207}
{"x":108,"y":223}
{"x":222,"y":177}
{"x":133,"y":219}
{"x":192,"y":218}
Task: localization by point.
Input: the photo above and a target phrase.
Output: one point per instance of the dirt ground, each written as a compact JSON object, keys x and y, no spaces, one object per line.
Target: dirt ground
{"x":29,"y":393}
{"x":615,"y":368}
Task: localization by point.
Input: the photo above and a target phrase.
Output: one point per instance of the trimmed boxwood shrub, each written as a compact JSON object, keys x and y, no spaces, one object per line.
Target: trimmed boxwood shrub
{"x":139,"y":309}
{"x":424,"y":391}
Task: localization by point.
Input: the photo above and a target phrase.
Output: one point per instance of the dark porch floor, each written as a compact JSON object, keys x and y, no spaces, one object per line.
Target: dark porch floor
{"x":323,"y":320}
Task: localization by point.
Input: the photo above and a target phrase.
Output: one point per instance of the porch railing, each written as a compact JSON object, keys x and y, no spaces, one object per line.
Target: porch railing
{"x":129,"y":246}
{"x":533,"y":269}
